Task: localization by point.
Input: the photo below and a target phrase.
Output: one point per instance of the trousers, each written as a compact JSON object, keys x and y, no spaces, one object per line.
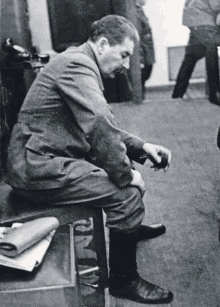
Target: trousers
{"x":124,"y":207}
{"x":203,"y":42}
{"x":146,"y":71}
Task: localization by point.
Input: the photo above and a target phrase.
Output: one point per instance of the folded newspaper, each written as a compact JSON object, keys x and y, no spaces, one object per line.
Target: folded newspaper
{"x":24,"y":245}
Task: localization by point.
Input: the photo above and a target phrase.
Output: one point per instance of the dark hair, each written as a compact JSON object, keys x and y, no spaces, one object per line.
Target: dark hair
{"x":115,"y":28}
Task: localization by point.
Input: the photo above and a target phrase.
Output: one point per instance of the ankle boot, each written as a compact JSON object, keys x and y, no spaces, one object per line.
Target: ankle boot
{"x":124,"y":281}
{"x":150,"y":232}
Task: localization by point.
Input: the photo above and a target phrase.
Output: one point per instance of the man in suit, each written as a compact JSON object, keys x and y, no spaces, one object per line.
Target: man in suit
{"x":201,"y":17}
{"x":66,"y":149}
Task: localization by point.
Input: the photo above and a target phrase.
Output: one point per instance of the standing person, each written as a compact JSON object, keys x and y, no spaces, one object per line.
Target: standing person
{"x":147,"y":53}
{"x":200,"y":16}
{"x":147,"y":56}
{"x":66,"y":149}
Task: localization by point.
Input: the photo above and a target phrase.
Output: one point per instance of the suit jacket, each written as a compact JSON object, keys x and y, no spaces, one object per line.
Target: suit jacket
{"x":66,"y":129}
{"x":200,"y":12}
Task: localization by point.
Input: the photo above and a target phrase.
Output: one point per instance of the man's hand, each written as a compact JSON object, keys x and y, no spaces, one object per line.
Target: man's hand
{"x":158,"y":155}
{"x":137,"y":181}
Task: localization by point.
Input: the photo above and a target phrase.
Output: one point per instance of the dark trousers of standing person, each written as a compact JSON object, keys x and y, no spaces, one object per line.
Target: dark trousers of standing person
{"x":145,"y":75}
{"x":203,"y":42}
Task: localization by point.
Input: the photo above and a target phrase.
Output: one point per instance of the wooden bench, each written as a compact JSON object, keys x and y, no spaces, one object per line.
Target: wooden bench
{"x":55,"y":282}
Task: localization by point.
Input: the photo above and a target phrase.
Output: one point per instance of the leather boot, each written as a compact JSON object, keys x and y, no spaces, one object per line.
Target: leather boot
{"x":124,"y":281}
{"x":150,"y":232}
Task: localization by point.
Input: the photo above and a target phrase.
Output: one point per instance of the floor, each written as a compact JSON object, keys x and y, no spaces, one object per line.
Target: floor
{"x":186,"y":260}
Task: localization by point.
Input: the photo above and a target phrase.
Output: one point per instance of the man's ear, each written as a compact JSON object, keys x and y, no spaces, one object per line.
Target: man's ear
{"x":102,"y":44}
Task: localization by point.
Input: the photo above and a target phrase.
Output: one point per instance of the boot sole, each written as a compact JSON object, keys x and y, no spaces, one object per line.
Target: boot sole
{"x":119,"y":295}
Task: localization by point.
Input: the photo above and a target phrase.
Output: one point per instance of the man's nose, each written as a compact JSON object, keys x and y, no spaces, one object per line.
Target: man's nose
{"x":126,"y":63}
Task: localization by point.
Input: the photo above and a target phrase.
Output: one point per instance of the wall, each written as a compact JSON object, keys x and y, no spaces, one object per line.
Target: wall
{"x":39,"y":25}
{"x":165,"y":17}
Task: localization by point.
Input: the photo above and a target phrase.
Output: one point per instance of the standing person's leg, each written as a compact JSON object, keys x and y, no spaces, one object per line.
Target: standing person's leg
{"x":125,"y":211}
{"x":209,"y":36}
{"x":145,"y":75}
{"x":194,"y":52}
{"x":184,"y":76}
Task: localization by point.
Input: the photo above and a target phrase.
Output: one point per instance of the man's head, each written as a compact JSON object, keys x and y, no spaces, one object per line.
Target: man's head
{"x":112,"y":39}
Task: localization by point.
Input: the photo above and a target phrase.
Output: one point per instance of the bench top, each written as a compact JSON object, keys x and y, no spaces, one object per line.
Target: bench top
{"x":15,"y":209}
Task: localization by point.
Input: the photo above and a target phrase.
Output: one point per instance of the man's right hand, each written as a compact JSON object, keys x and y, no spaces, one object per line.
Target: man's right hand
{"x":137,"y":181}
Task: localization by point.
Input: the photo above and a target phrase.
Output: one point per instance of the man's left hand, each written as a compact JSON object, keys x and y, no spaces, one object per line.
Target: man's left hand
{"x":158,"y":155}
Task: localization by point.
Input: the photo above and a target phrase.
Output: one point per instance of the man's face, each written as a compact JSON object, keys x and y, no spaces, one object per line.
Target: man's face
{"x":113,"y":59}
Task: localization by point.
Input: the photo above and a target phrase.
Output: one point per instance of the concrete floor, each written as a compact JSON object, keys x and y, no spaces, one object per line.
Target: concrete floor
{"x":186,"y":260}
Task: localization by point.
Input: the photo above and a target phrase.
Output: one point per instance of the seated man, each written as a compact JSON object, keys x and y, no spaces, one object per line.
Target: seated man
{"x":67,"y":149}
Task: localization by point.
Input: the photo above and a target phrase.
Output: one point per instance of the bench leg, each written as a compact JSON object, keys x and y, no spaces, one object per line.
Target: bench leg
{"x":100,"y":247}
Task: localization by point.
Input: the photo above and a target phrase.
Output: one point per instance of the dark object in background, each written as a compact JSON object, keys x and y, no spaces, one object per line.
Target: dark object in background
{"x":147,"y":52}
{"x":17,"y":66}
{"x":16,"y":54}
{"x":16,"y":62}
{"x":13,"y":83}
{"x":70,"y":20}
{"x":218,"y":138}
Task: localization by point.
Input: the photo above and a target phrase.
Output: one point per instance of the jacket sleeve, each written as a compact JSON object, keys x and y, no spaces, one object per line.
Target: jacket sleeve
{"x":79,"y":87}
{"x":134,"y":147}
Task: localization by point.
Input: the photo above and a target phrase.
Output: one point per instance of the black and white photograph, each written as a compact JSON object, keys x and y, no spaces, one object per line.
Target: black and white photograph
{"x":109,"y":153}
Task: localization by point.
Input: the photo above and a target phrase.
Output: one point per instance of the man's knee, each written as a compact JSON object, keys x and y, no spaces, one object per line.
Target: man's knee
{"x":128,"y":212}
